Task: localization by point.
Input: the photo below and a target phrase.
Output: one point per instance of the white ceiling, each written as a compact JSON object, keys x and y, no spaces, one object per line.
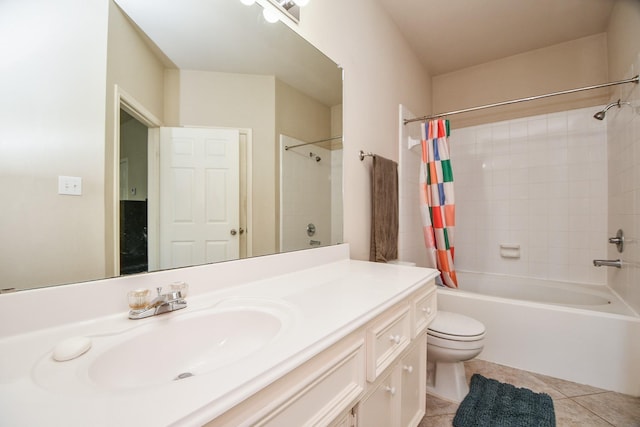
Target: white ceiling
{"x":226,"y":36}
{"x":449,"y":35}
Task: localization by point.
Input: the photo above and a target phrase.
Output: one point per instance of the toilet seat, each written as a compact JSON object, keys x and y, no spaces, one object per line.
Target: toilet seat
{"x":456,"y":327}
{"x":449,"y":337}
{"x":451,"y":344}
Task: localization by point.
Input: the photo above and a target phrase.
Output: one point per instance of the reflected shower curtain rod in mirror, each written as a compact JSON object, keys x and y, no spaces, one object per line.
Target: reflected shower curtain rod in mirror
{"x":286,"y":147}
{"x":635,"y":80}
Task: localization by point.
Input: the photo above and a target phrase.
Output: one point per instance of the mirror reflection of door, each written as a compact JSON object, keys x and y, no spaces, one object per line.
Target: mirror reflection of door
{"x":133,"y":195}
{"x":199,"y":196}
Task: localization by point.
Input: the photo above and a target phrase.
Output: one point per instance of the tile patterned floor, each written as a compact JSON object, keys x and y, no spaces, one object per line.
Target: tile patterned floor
{"x":575,"y":404}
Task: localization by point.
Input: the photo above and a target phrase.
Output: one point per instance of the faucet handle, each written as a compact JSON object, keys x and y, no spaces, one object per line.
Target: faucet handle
{"x":183,"y":287}
{"x":174,"y":295}
{"x":618,"y":240}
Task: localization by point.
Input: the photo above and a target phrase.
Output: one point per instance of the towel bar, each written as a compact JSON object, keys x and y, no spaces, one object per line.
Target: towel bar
{"x":362,"y":155}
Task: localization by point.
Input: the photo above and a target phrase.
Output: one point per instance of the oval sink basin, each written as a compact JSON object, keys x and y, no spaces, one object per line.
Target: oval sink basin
{"x":178,"y":348}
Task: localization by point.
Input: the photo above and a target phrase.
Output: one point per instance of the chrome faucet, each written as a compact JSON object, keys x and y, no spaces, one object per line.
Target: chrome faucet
{"x":163,"y":303}
{"x":617,"y":263}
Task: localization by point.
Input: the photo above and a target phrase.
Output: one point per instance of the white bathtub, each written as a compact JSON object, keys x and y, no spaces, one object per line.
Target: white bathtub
{"x":576,"y":332}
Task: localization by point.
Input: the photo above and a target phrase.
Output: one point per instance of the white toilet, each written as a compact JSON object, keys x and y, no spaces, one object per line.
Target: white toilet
{"x":451,"y":340}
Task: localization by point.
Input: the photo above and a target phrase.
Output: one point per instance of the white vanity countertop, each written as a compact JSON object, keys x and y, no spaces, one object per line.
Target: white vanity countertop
{"x":323,"y":304}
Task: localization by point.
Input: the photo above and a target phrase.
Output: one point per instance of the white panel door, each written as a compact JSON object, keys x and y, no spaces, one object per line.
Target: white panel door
{"x":199,"y":196}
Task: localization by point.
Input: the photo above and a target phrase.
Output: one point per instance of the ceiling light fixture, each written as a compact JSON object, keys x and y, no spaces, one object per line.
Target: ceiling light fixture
{"x":288,"y":8}
{"x":271,"y":15}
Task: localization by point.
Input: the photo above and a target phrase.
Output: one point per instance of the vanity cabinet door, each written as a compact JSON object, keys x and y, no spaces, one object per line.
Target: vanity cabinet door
{"x":413,"y":368}
{"x":400,"y":398}
{"x":381,"y":407}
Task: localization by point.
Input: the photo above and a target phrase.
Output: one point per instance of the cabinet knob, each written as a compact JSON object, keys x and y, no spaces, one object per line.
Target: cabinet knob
{"x":390,"y":390}
{"x":427,"y":310}
{"x":395,"y":339}
{"x":408,"y":368}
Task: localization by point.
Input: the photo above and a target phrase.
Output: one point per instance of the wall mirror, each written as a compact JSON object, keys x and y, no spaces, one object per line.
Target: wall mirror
{"x":106,"y":100}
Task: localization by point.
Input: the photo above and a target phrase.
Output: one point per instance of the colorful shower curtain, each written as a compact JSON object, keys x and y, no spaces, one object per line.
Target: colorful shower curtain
{"x":437,"y":204}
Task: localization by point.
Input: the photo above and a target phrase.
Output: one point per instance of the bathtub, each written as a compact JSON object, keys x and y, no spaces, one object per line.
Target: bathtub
{"x":580,"y":333}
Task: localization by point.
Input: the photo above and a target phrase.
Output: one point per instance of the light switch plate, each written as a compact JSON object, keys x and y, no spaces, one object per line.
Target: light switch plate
{"x":70,"y":185}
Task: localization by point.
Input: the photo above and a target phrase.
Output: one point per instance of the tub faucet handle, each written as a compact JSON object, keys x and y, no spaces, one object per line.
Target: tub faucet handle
{"x":618,"y":240}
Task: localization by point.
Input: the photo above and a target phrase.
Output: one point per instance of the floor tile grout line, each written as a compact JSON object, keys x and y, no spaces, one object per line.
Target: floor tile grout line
{"x":593,"y":412}
{"x":589,"y":394}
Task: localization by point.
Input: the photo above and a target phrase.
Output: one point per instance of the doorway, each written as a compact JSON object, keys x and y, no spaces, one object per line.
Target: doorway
{"x":133,"y":198}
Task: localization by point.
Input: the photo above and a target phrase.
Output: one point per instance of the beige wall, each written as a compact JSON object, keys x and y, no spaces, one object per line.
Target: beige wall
{"x":133,"y":148}
{"x":299,"y":116}
{"x":623,"y":135}
{"x":48,"y":124}
{"x":570,"y":65}
{"x":623,"y":37}
{"x":380,"y":73}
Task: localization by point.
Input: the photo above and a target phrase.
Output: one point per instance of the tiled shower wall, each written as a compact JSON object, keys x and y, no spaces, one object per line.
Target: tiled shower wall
{"x":624,"y":190}
{"x":538,"y":183}
{"x":307,"y":194}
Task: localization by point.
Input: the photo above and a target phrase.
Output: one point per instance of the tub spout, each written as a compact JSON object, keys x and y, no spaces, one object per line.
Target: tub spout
{"x":617,"y":263}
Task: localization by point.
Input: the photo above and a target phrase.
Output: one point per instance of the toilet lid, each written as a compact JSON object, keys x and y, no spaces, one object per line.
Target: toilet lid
{"x":455,"y":325}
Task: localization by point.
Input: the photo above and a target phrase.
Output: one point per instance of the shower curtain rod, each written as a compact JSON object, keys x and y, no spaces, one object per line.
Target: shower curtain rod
{"x":635,"y":80}
{"x":286,"y":147}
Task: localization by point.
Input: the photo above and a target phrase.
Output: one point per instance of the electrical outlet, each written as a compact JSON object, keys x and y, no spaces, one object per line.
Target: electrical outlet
{"x":70,"y":185}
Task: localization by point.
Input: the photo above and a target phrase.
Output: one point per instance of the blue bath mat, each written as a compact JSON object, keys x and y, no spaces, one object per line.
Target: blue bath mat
{"x":495,"y":404}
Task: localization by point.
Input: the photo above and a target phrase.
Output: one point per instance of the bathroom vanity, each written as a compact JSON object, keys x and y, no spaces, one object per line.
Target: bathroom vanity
{"x":305,"y":338}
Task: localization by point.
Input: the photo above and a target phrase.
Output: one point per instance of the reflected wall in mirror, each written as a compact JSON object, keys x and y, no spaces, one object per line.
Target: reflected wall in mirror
{"x":77,"y":71}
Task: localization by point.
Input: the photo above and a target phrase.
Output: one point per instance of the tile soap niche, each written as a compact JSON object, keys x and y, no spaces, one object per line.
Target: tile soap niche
{"x":509,"y":250}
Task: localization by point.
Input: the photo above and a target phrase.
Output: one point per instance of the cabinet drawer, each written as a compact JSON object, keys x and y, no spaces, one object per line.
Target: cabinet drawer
{"x":324,"y":398}
{"x":424,"y":310}
{"x":386,"y":339}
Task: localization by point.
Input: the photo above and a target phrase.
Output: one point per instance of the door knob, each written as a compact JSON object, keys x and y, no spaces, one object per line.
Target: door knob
{"x":233,"y":232}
